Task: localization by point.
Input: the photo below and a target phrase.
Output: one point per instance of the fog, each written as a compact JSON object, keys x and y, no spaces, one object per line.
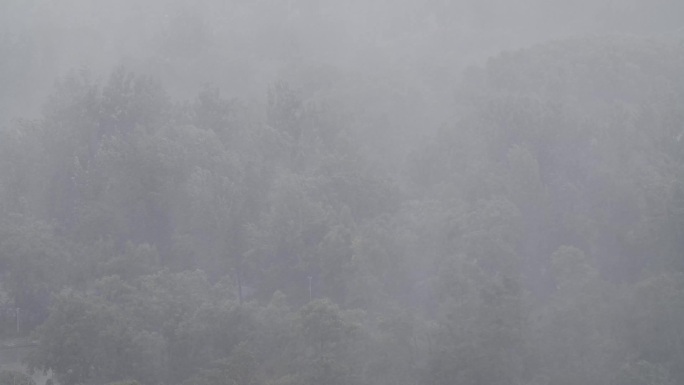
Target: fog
{"x":277,"y":192}
{"x":353,"y":51}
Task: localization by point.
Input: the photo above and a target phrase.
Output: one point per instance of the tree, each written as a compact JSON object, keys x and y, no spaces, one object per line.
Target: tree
{"x":656,"y":334}
{"x":328,"y":337}
{"x":36,"y":261}
{"x":85,"y":340}
{"x":12,"y":377}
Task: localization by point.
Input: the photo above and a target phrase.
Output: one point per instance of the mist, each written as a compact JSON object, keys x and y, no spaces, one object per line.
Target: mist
{"x":363,"y":192}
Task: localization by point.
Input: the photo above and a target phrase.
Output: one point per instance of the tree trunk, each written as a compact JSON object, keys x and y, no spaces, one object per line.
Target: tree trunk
{"x":238,"y":279}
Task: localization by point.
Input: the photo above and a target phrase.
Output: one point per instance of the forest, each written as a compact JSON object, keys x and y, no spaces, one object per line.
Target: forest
{"x":357,"y":193}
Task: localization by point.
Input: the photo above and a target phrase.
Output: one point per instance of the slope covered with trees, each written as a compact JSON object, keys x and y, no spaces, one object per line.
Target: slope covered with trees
{"x":535,"y":239}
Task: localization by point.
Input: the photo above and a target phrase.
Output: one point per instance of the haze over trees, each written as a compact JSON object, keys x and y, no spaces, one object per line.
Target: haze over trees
{"x":361,"y":192}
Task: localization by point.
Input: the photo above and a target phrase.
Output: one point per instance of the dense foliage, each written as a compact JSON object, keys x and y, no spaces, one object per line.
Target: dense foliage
{"x":536,"y":239}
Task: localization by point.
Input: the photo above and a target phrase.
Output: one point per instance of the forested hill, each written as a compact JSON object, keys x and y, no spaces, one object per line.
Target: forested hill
{"x":536,"y":239}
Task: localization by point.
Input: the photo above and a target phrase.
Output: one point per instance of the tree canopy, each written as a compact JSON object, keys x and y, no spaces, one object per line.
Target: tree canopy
{"x":535,"y":238}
